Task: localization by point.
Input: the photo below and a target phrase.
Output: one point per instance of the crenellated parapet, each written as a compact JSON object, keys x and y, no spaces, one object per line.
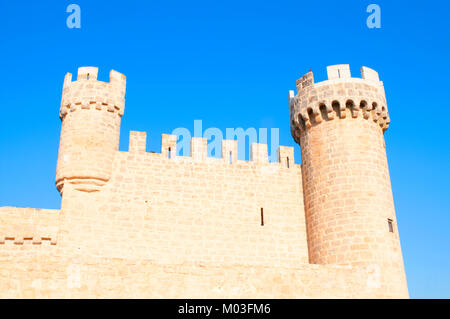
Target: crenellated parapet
{"x":338,"y":97}
{"x":89,"y":93}
{"x":199,"y":151}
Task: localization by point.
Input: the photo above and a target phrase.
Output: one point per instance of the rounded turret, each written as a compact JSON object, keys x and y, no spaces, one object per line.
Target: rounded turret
{"x":350,"y":216}
{"x":90,"y":112}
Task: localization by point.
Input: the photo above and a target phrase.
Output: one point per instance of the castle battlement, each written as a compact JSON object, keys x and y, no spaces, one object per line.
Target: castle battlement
{"x":89,"y":93}
{"x":340,"y":96}
{"x":157,"y":225}
{"x":258,"y":151}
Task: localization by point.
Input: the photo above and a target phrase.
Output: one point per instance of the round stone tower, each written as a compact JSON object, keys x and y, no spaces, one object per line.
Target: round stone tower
{"x":350,"y":216}
{"x":90,"y":113}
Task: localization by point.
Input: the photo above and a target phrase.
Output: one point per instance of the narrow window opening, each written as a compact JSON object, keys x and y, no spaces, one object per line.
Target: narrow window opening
{"x":339,"y":73}
{"x":390,"y":225}
{"x":287,"y":162}
{"x":262,"y":216}
{"x":170,"y":153}
{"x":230,"y":158}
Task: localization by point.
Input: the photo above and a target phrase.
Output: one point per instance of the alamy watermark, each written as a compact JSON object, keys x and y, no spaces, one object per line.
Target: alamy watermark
{"x":374,"y":19}
{"x":215,"y":137}
{"x":74,"y":19}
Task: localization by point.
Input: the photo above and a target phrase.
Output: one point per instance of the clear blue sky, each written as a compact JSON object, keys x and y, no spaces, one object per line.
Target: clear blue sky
{"x":231,"y":64}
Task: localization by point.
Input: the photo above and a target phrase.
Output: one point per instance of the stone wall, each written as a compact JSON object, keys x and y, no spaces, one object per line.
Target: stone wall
{"x":157,"y":225}
{"x":190,"y":209}
{"x":51,"y":276}
{"x":27,"y":226}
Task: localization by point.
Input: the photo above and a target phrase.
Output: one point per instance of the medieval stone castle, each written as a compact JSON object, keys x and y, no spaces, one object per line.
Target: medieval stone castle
{"x":158,"y":225}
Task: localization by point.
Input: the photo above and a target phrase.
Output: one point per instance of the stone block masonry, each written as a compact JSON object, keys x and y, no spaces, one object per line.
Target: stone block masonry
{"x":139,"y":224}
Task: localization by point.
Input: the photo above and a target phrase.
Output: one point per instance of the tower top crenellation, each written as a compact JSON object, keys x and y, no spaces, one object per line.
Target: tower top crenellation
{"x":338,"y":74}
{"x":87,"y":92}
{"x":329,"y":99}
